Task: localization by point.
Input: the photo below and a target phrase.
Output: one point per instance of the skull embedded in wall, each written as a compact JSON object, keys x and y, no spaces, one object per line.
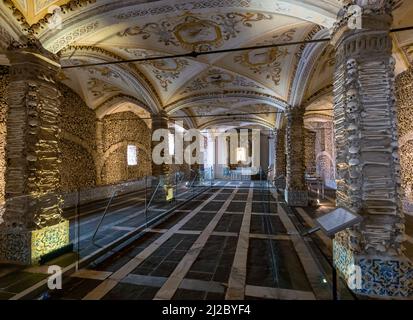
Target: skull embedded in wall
{"x":352,"y":127}
{"x":351,"y":95}
{"x":354,"y":172}
{"x":351,"y":64}
{"x":392,"y":62}
{"x":396,"y":158}
{"x":352,"y":108}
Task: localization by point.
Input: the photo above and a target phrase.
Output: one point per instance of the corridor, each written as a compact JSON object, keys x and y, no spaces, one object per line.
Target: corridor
{"x":188,"y":149}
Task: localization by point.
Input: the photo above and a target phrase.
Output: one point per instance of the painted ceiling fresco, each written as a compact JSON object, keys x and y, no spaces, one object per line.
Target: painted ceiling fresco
{"x":95,"y":31}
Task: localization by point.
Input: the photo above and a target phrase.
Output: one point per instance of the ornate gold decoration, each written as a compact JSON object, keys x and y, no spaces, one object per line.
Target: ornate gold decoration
{"x":167,"y":70}
{"x":264,"y":61}
{"x":267,"y":61}
{"x":219,"y":79}
{"x":99,"y":88}
{"x":196,"y":33}
{"x":34,"y":15}
{"x":137,"y":73}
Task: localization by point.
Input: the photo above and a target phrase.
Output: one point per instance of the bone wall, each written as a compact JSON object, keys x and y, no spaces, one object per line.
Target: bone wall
{"x":119,"y":130}
{"x":77,"y":142}
{"x":296,"y":190}
{"x":4,"y":79}
{"x":404,"y":94}
{"x":309,"y":151}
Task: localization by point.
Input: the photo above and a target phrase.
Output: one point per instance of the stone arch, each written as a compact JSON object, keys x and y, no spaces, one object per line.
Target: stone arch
{"x":114,"y":148}
{"x":124,"y":103}
{"x":247,"y":97}
{"x":75,"y":139}
{"x":308,"y":59}
{"x":326,"y":167}
{"x":116,"y":131}
{"x":229,"y":120}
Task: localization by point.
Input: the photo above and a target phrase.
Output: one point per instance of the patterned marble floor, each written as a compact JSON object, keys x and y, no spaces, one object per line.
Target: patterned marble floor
{"x":238,"y":240}
{"x":232,"y":242}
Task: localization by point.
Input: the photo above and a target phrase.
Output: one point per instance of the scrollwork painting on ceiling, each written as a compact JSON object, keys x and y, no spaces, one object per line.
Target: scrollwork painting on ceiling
{"x":99,"y":88}
{"x":195,"y":33}
{"x":267,"y":61}
{"x":104,"y":72}
{"x":408,"y":51}
{"x":219,"y":79}
{"x":165,"y":71}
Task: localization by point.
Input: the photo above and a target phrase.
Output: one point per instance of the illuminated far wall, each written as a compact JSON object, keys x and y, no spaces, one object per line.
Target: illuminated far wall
{"x":219,"y":153}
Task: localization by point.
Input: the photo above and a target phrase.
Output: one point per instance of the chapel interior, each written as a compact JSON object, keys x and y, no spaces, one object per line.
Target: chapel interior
{"x":298,"y":113}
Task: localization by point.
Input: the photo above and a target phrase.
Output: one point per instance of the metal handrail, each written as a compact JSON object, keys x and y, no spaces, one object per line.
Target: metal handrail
{"x":104,"y":215}
{"x":152,"y":197}
{"x":179,"y":179}
{"x":193,"y":180}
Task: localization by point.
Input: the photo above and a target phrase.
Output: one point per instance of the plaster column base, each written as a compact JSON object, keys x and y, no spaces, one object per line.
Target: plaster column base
{"x":375,"y":276}
{"x":296,"y":198}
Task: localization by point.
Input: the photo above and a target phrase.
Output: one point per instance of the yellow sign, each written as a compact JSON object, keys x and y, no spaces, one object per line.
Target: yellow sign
{"x":169,"y":194}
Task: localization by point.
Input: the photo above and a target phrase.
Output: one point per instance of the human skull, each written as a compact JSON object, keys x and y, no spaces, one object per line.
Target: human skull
{"x":352,"y":107}
{"x":354,"y":162}
{"x":351,"y":64}
{"x":351,"y":95}
{"x":395,"y":156}
{"x":352,"y":127}
{"x":354,"y":150}
{"x":392,"y":62}
{"x":354,"y":172}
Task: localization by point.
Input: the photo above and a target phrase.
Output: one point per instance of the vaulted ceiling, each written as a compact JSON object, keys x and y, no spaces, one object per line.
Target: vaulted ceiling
{"x":247,"y":83}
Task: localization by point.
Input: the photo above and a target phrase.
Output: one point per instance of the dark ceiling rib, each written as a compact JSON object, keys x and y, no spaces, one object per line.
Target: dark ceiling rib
{"x":195,"y":54}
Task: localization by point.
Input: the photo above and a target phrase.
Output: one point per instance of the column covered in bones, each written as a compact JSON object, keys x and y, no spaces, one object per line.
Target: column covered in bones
{"x":160,"y":121}
{"x":279,"y":158}
{"x":33,"y":223}
{"x":296,"y":193}
{"x":368,"y":167}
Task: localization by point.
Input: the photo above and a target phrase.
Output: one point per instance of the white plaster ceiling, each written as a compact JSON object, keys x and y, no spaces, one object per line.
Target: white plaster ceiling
{"x":105,"y":30}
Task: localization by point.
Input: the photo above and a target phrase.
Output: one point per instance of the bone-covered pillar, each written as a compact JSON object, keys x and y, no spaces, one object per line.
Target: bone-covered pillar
{"x":296,"y":193}
{"x":309,"y":151}
{"x":279,"y":158}
{"x":159,"y":121}
{"x":404,"y":94}
{"x":33,"y":223}
{"x":99,"y":150}
{"x":371,"y":253}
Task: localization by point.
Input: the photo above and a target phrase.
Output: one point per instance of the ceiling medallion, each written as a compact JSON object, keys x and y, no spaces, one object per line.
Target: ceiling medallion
{"x":219,"y":79}
{"x":264,"y":61}
{"x":167,"y":70}
{"x":195,"y":33}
